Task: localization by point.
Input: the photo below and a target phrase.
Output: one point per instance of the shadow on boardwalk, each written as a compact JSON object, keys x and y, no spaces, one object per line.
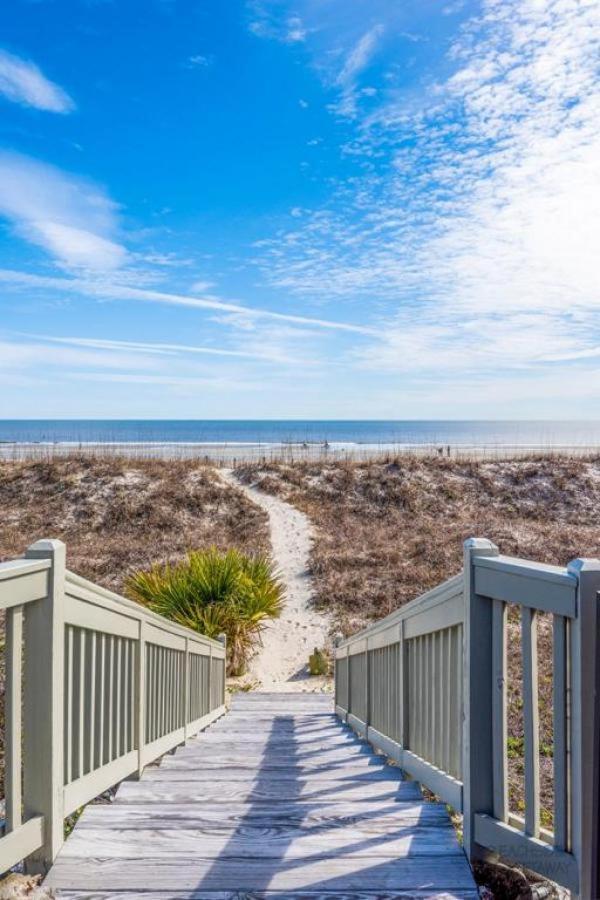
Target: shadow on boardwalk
{"x":277,"y":800}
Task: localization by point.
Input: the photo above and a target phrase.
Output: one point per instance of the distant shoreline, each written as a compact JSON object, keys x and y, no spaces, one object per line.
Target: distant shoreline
{"x":227,"y":453}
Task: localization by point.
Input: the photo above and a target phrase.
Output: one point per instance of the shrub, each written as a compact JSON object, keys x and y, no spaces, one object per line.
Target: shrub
{"x":214,"y":593}
{"x":319,"y":662}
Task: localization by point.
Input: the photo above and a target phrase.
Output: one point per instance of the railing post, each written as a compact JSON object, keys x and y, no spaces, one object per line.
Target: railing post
{"x":186,"y":688}
{"x":403,"y":692}
{"x":222,"y":638}
{"x":140,"y":697}
{"x":478,"y":793}
{"x":367,"y":688}
{"x":585,"y":725}
{"x":43,"y":749}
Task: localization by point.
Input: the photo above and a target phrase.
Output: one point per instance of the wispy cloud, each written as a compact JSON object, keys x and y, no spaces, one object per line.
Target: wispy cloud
{"x":153,"y":348}
{"x":475,"y":225}
{"x":359,"y":56}
{"x":69,"y":217}
{"x":199,"y":61}
{"x":21,"y":81}
{"x":355,"y":62}
{"x":113,"y":290}
{"x":290,"y":28}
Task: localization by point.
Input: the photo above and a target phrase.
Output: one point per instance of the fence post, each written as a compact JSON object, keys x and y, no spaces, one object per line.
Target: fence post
{"x":43,"y":750}
{"x":477,"y":681}
{"x":140,"y":696}
{"x":186,"y":689}
{"x":222,"y":638}
{"x":585,"y":725}
{"x":367,"y":688}
{"x":404,"y":687}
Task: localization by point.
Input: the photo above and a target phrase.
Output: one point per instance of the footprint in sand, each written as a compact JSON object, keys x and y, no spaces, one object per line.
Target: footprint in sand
{"x":284,"y":652}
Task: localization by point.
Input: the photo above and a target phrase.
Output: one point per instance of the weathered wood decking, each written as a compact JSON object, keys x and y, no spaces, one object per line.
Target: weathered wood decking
{"x":277,"y":799}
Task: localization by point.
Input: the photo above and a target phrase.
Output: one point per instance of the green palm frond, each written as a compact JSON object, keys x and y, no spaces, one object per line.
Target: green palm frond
{"x":212,"y":593}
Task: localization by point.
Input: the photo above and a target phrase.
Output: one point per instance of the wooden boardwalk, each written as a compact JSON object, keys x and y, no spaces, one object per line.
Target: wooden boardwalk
{"x":276,"y":800}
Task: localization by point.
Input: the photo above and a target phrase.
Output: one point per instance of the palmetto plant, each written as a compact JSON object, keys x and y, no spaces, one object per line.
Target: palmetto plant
{"x":214,"y":592}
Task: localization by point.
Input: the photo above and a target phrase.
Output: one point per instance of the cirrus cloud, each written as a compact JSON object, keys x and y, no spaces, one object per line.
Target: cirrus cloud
{"x":21,"y":81}
{"x":69,"y":217}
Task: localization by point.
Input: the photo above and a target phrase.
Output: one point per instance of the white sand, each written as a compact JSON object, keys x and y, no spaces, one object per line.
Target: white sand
{"x":281,"y":663}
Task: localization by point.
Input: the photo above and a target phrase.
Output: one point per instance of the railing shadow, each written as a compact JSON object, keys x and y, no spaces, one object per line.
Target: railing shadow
{"x":280,"y":810}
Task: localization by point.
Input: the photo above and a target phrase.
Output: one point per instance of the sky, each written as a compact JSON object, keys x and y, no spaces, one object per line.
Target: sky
{"x":310,"y":209}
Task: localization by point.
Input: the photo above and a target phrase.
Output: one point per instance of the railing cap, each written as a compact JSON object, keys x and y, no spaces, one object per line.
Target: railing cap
{"x":45,"y":547}
{"x":581,"y":565}
{"x":482,"y":546}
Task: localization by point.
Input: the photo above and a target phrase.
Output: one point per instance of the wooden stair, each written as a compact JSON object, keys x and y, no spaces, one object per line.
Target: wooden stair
{"x":275,"y":800}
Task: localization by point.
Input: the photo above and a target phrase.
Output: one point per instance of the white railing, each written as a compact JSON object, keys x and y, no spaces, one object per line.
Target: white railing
{"x":427,"y":686}
{"x":97,"y":686}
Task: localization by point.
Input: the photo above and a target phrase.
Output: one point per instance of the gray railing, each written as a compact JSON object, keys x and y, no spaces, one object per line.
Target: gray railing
{"x":427,"y":686}
{"x":97,"y":687}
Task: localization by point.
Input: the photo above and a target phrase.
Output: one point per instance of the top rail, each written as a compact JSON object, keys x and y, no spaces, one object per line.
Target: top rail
{"x":428,"y":686}
{"x":77,"y":586}
{"x":97,"y":686}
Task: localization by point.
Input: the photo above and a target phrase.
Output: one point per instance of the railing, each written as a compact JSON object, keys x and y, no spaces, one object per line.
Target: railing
{"x":97,"y":687}
{"x":427,"y":686}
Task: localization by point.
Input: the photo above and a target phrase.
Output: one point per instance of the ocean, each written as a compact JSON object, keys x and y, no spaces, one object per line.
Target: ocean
{"x":255,"y":436}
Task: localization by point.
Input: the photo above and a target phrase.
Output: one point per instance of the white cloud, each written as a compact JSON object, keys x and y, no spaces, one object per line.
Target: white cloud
{"x":22,"y":82}
{"x":356,"y":61}
{"x":70,"y":218}
{"x":476,"y":225}
{"x":265,"y":23}
{"x":108,"y":289}
{"x":200,"y":287}
{"x":199,"y":61}
{"x":154,"y":349}
{"x":33,"y":355}
{"x":359,"y":57}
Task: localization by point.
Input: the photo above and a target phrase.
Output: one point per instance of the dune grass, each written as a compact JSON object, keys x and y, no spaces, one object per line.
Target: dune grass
{"x":389,"y":529}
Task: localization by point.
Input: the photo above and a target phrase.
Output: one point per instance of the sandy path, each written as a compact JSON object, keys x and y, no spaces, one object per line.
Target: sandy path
{"x":280,"y":665}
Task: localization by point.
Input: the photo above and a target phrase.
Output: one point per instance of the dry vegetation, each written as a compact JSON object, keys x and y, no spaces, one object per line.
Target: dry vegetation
{"x":387,"y":530}
{"x":117,"y":515}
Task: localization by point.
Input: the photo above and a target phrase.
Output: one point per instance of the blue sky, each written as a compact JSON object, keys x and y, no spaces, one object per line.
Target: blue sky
{"x":266,"y":208}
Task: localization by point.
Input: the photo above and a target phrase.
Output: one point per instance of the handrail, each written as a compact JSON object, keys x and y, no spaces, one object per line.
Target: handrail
{"x":427,"y":686}
{"x":97,"y":686}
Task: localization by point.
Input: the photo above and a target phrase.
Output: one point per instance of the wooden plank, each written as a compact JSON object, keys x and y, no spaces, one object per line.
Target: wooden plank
{"x":276,"y":792}
{"x":528,"y":587}
{"x":377,"y":816}
{"x":531,"y":725}
{"x":437,"y":618}
{"x":355,"y":724}
{"x":231,"y":774}
{"x":253,"y":763}
{"x":23,"y":841}
{"x":226,"y":756}
{"x":23,"y":588}
{"x":356,"y":894}
{"x":286,"y":730}
{"x":300,"y":806}
{"x":560,"y":733}
{"x":87,"y":615}
{"x":89,"y":786}
{"x":436,"y":596}
{"x":342,"y":873}
{"x":162,"y":745}
{"x":13,"y":717}
{"x":295,"y":748}
{"x":248,"y":842}
{"x":449,"y":789}
{"x":16,"y":568}
{"x":527,"y":850}
{"x":499,"y":722}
